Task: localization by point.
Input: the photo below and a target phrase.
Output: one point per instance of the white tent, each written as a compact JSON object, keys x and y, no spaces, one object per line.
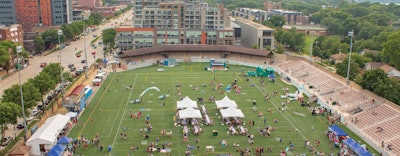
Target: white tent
{"x":47,"y":133}
{"x":72,"y":114}
{"x":231,"y":112}
{"x":225,"y":102}
{"x":189,"y":113}
{"x":185,"y":103}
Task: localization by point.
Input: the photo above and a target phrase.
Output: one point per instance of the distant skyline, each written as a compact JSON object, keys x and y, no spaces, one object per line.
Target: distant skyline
{"x":380,"y":1}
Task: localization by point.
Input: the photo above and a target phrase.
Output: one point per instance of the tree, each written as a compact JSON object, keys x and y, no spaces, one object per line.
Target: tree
{"x":371,"y":79}
{"x":9,"y":114}
{"x":68,"y":32}
{"x":109,"y":36}
{"x":30,"y":92}
{"x":54,"y":71}
{"x":43,"y":82}
{"x":38,"y":45}
{"x":341,"y":69}
{"x":96,"y":17}
{"x":275,"y":22}
{"x":68,"y":76}
{"x":391,"y":50}
{"x":50,"y":38}
{"x":5,"y":58}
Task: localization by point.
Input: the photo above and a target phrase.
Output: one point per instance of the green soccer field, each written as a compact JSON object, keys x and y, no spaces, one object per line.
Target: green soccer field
{"x":108,"y":113}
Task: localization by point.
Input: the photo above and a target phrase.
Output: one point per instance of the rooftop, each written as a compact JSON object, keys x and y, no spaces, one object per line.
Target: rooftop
{"x":254,"y":24}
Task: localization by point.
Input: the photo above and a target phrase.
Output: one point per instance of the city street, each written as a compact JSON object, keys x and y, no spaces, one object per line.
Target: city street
{"x":67,"y":55}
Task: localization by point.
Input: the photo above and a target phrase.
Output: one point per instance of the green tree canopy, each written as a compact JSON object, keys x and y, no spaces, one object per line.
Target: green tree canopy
{"x":391,"y":50}
{"x":341,"y":69}
{"x":30,"y":92}
{"x":9,"y":113}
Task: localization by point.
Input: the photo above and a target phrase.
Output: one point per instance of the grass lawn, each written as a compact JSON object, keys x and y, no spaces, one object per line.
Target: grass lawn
{"x":110,"y":109}
{"x":309,"y":40}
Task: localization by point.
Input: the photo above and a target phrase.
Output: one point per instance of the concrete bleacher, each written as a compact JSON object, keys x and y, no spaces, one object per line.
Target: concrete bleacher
{"x":352,"y":102}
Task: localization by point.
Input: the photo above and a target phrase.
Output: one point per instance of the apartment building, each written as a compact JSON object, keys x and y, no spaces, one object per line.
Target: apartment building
{"x":12,"y":33}
{"x":256,"y":34}
{"x":136,"y":38}
{"x":7,"y":13}
{"x":160,"y":22}
{"x":291,"y":17}
{"x":251,"y":14}
{"x":33,"y":13}
{"x":61,"y":12}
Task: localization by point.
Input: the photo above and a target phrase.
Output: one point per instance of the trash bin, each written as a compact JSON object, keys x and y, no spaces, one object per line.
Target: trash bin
{"x":215,"y":133}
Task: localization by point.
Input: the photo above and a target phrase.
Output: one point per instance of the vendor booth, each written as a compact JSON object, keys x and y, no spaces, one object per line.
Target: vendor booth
{"x":355,"y":148}
{"x":225,"y":103}
{"x":336,"y":134}
{"x":46,"y":136}
{"x":186,"y":103}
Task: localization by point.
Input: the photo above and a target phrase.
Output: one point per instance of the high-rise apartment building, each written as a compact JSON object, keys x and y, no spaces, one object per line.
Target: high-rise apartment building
{"x":7,"y":12}
{"x":32,"y":13}
{"x":61,"y":12}
{"x":160,"y":22}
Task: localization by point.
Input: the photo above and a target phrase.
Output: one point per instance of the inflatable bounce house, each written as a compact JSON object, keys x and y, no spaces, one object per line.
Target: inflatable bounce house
{"x":269,"y":72}
{"x":217,"y":65}
{"x":170,"y":62}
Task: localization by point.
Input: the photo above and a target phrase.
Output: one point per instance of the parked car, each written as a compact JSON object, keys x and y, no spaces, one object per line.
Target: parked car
{"x":72,"y":69}
{"x":71,"y":65}
{"x":83,"y":61}
{"x":40,"y":106}
{"x":20,"y":125}
{"x":43,"y":64}
{"x":34,"y":112}
{"x":6,"y":140}
{"x":94,"y":35}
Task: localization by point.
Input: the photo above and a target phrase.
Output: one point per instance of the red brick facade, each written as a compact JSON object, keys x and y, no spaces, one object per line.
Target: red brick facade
{"x":12,"y":33}
{"x":28,"y":13}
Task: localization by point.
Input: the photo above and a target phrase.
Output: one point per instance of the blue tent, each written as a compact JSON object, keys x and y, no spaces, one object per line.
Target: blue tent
{"x":337,"y":130}
{"x":57,"y":150}
{"x":360,"y":151}
{"x":272,"y":76}
{"x":64,"y":140}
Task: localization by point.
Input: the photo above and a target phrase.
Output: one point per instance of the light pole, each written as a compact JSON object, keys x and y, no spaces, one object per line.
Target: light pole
{"x":59,"y":32}
{"x":312,"y":41}
{"x":84,"y":44}
{"x":351,"y":34}
{"x":19,"y":50}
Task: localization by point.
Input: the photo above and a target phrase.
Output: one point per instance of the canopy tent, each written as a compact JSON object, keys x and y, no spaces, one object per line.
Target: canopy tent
{"x":72,"y":114}
{"x":57,"y":150}
{"x":185,"y":103}
{"x":231,"y":112}
{"x":64,"y":140}
{"x":47,"y":133}
{"x":189,"y":113}
{"x":337,"y":130}
{"x":225,"y":102}
{"x":360,"y":151}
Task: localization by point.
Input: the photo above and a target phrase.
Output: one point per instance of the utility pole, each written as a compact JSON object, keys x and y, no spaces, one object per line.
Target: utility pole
{"x":312,"y":43}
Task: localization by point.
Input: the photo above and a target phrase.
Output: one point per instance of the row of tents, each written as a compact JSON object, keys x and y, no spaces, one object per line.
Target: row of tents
{"x":189,"y":109}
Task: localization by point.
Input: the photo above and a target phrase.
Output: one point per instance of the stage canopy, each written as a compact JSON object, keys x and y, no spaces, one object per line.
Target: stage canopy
{"x":361,"y":151}
{"x":231,"y":112}
{"x":189,"y":113}
{"x":225,"y":102}
{"x":186,"y":103}
{"x":337,"y":130}
{"x":64,"y":140}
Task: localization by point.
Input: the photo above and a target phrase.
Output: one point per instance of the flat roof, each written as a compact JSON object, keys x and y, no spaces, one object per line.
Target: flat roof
{"x":254,"y":24}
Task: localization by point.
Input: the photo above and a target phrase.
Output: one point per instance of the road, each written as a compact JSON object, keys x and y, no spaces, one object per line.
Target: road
{"x":67,"y":55}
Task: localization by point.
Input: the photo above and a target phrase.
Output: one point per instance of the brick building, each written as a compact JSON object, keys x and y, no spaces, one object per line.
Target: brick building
{"x":12,"y":33}
{"x":29,"y":14}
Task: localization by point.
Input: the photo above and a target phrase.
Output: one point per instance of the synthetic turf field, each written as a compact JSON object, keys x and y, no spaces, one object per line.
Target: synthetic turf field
{"x":110,"y":108}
